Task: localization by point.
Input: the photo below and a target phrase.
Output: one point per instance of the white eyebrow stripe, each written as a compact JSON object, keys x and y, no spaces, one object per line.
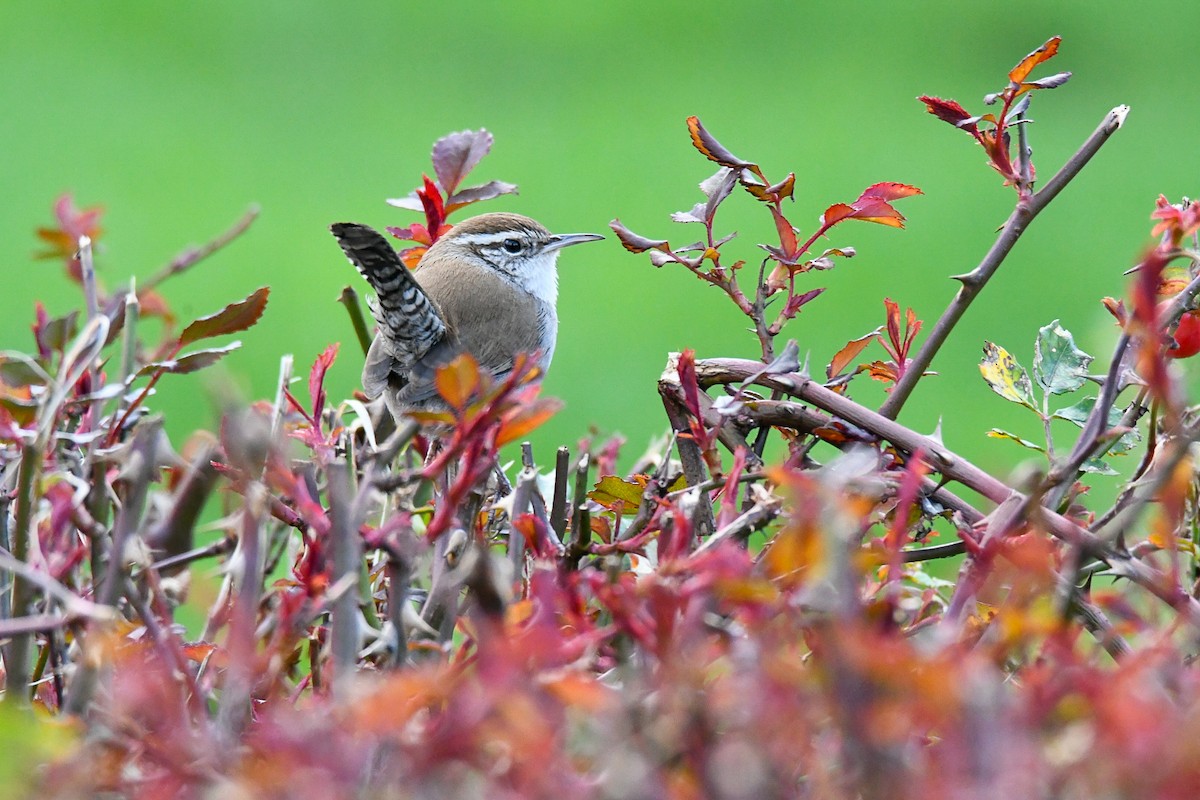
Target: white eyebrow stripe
{"x":492,"y":239}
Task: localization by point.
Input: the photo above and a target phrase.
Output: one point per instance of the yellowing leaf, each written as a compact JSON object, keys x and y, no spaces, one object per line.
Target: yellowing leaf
{"x":616,"y":493}
{"x":1006,"y":377}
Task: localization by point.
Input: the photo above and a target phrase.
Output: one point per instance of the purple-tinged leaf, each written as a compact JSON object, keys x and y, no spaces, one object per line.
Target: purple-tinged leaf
{"x":231,"y":319}
{"x":473,"y":194}
{"x":800,"y":300}
{"x":191,"y":362}
{"x":413,"y":233}
{"x":57,"y":333}
{"x":633,"y":242}
{"x":456,"y":154}
{"x":658,"y":258}
{"x":695,"y":215}
{"x":716,"y":189}
{"x":1049,"y":82}
{"x":715,"y":151}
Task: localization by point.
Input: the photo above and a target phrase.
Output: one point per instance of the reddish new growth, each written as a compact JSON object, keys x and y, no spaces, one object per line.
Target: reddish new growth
{"x":454,"y":156}
{"x":992,"y":131}
{"x":790,"y":255}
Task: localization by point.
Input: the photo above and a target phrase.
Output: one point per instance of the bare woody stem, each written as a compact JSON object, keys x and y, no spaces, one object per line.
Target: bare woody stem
{"x":951,"y":465}
{"x":974,"y":281}
{"x":189,"y":258}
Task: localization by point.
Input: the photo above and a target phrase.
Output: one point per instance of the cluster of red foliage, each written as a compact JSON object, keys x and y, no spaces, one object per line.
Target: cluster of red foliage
{"x":395,"y":619}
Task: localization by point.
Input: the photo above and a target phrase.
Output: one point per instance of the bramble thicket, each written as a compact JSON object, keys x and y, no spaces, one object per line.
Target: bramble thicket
{"x":750,"y":611}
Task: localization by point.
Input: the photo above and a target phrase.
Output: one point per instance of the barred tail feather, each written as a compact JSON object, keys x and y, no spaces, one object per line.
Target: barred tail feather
{"x":408,"y":321}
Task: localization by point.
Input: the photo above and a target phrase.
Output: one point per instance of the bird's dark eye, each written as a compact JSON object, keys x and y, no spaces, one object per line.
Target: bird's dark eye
{"x":512,"y":246}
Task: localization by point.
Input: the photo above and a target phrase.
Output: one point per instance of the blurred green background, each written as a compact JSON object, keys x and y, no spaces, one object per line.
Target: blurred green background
{"x":175,"y":117}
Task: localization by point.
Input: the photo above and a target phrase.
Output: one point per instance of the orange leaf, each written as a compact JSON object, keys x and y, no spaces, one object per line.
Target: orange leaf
{"x":412,"y":256}
{"x":836,"y":213}
{"x":457,"y":381}
{"x":879,"y":211}
{"x":882,"y":371}
{"x":527,"y":419}
{"x":843,"y":357}
{"x":578,"y":691}
{"x":1021,"y":71}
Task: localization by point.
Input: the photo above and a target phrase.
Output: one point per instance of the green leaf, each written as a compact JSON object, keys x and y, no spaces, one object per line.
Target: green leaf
{"x":192,"y":361}
{"x":614,"y":492}
{"x":231,"y":319}
{"x":1058,"y":365}
{"x":1006,"y":377}
{"x":1078,"y":414}
{"x":996,"y":433}
{"x":1097,"y":467}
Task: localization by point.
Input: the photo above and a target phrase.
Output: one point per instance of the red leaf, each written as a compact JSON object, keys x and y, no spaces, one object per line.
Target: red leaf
{"x":153,"y":304}
{"x":949,"y":111}
{"x":456,"y":154}
{"x":231,"y":319}
{"x":63,"y":241}
{"x":1021,"y":71}
{"x":787,"y":235}
{"x":316,"y":378}
{"x":872,"y":206}
{"x":435,"y":211}
{"x":890,"y":191}
{"x":686,"y":369}
{"x":893,"y":323}
{"x":1180,"y":222}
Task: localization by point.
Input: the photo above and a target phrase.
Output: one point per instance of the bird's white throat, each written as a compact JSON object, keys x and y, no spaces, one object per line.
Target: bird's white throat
{"x":539,"y":276}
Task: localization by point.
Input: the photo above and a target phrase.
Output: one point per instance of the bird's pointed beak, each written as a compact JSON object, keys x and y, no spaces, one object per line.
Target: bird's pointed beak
{"x":560,"y":240}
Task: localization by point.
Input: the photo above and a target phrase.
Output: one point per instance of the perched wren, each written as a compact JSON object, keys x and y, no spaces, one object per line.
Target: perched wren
{"x":487,"y":287}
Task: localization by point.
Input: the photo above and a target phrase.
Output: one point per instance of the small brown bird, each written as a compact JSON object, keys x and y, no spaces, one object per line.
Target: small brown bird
{"x":488,"y":287}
